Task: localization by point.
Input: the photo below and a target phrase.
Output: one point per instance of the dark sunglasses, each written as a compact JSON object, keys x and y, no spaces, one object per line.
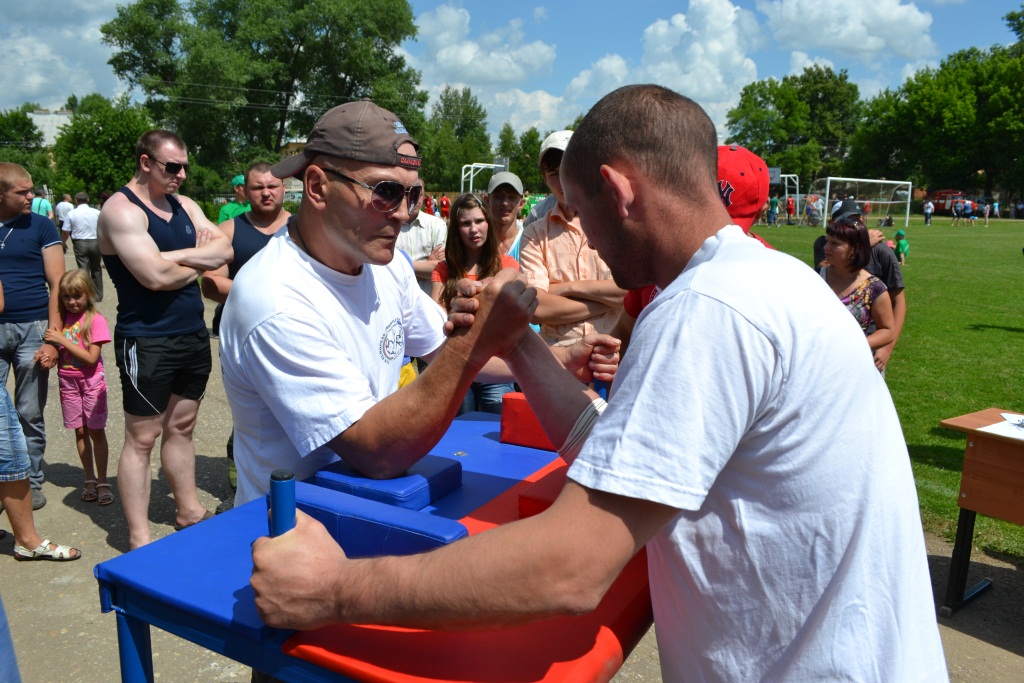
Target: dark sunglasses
{"x":172,"y":167}
{"x":387,"y":194}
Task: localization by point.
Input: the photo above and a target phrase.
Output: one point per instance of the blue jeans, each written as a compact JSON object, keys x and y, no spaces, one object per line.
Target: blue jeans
{"x":14,"y":462}
{"x":8,"y":664}
{"x":485,"y":397}
{"x":18,"y":345}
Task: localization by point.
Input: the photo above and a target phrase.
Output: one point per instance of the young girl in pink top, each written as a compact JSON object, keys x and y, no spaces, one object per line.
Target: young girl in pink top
{"x":83,"y":389}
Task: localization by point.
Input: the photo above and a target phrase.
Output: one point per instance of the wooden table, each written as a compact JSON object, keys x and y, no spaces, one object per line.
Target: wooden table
{"x":992,"y":484}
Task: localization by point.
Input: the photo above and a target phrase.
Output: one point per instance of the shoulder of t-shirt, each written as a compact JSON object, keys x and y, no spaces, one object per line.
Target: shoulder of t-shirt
{"x":508,"y":262}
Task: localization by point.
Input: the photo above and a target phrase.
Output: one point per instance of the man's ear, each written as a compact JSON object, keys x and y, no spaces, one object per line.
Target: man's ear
{"x":621,"y":187}
{"x":314,"y":186}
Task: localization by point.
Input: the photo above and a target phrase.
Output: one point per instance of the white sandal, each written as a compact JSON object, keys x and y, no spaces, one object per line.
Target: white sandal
{"x":61,"y":553}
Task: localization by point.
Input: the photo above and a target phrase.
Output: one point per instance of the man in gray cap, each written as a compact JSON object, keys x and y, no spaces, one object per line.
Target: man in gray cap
{"x":504,"y":202}
{"x":312,"y":346}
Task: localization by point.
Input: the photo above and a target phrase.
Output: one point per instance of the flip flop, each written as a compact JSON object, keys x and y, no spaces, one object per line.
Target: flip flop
{"x":106,"y":497}
{"x":61,"y":553}
{"x":179,"y":527}
{"x":89,"y":494}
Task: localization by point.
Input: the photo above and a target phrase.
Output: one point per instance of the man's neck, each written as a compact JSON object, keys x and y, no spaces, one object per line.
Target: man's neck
{"x":268,"y":222}
{"x":147,"y":192}
{"x":4,"y":217}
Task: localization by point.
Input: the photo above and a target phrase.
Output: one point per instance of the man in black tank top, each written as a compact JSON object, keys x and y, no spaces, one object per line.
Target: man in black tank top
{"x":155,"y":245}
{"x":248,"y":232}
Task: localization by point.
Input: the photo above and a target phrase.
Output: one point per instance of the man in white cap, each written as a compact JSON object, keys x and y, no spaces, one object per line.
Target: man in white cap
{"x":504,"y":202}
{"x":313,"y":343}
{"x":575,"y":292}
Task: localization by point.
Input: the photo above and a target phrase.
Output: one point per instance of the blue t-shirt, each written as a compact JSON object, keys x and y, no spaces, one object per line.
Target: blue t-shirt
{"x":26,"y":295}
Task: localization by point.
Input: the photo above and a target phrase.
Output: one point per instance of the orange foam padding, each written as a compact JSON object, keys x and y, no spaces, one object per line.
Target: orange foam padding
{"x":587,"y":648}
{"x":506,"y":507}
{"x":519,"y":425}
{"x":538,"y":496}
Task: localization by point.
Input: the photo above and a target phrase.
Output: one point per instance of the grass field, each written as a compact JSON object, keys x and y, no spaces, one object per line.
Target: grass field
{"x":962,"y":350}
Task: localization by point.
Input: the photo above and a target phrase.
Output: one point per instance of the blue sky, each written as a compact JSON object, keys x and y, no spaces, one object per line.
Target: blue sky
{"x":542,"y":64}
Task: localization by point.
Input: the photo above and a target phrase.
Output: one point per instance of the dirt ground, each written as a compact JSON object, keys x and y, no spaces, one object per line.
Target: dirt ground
{"x":59,"y":632}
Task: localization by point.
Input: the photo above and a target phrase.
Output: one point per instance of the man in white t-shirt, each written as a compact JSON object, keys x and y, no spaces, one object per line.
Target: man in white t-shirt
{"x":750,"y":445}
{"x":423,"y":238}
{"x":80,"y":225}
{"x":61,"y":211}
{"x":313,"y":343}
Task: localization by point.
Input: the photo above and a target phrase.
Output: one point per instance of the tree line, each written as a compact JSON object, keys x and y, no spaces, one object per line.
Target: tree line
{"x":237,"y":80}
{"x":957,"y":126}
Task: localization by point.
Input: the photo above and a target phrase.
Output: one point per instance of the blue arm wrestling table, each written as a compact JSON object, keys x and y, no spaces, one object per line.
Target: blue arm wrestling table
{"x":195,"y":583}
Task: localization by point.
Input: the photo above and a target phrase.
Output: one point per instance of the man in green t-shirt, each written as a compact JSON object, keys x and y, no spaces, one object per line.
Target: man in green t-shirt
{"x":773,"y":208}
{"x":238,"y":205}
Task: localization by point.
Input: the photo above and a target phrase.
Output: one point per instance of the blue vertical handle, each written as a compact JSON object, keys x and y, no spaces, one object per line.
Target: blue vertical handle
{"x":281,"y":502}
{"x":601,"y":387}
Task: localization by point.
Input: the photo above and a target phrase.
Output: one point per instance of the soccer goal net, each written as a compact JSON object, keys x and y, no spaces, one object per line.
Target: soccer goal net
{"x":884,"y":201}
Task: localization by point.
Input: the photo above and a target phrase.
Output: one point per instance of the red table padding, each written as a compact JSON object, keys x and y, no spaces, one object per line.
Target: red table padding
{"x":538,"y":496}
{"x":591,"y":647}
{"x":520,"y":426}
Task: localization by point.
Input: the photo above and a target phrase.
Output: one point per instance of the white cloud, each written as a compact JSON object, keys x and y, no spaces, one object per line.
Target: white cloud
{"x":798,"y":61}
{"x":540,"y":13}
{"x":500,"y":57}
{"x":53,"y":49}
{"x":867,"y":32}
{"x":703,"y":54}
{"x":605,"y":75}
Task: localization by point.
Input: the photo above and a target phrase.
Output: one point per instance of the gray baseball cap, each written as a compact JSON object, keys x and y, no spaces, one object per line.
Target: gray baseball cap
{"x":505,"y":178}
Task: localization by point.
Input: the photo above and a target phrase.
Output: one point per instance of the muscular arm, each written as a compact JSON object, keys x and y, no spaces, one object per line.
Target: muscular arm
{"x":122,"y":230}
{"x":602,"y":291}
{"x":53,"y":269}
{"x":215,"y":283}
{"x":211,"y":252}
{"x":559,"y":562}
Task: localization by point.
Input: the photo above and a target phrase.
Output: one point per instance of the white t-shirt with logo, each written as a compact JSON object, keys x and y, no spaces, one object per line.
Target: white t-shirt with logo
{"x":306,"y":351}
{"x":797,"y":553}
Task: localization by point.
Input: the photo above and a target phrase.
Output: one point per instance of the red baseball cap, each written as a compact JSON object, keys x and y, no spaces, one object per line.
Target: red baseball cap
{"x":743,"y":183}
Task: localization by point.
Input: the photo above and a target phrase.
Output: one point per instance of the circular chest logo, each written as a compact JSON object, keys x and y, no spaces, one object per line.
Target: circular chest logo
{"x":392,"y":342}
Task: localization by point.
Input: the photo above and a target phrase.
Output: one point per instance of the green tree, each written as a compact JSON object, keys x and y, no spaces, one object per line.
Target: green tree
{"x":21,"y":142}
{"x":96,"y":151}
{"x":802,"y":123}
{"x":525,"y":164}
{"x":456,"y":135}
{"x":239,"y":78}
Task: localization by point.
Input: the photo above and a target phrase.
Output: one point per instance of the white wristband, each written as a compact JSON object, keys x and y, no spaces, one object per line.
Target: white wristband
{"x":581,"y":430}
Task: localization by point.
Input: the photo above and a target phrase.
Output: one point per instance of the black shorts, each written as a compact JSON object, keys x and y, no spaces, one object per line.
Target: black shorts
{"x":153,"y":368}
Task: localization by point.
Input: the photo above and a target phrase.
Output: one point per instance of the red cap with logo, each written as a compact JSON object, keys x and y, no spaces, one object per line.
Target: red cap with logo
{"x":743,"y":183}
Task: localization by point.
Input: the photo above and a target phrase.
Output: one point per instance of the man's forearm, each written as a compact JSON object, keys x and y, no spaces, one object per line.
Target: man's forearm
{"x":556,"y":397}
{"x":553,"y":309}
{"x":399,"y":430}
{"x":210,"y":256}
{"x":602,"y":291}
{"x":424,"y":269}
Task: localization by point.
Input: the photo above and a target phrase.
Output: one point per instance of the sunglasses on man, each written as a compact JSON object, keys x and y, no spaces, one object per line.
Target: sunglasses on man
{"x":171,"y":167}
{"x":387,"y":194}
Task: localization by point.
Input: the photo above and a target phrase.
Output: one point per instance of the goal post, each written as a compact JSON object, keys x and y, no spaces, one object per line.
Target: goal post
{"x":881,"y":198}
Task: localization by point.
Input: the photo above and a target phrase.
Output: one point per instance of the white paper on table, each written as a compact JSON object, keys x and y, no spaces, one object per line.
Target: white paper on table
{"x":1008,"y":427}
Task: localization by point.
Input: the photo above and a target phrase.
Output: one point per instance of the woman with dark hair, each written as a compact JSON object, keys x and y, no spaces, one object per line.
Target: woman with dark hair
{"x":471,"y":251}
{"x":847,"y":252}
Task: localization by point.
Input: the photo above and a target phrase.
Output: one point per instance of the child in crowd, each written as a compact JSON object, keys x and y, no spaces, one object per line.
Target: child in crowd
{"x":83,"y":389}
{"x":902,"y":247}
{"x":472,"y":254}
